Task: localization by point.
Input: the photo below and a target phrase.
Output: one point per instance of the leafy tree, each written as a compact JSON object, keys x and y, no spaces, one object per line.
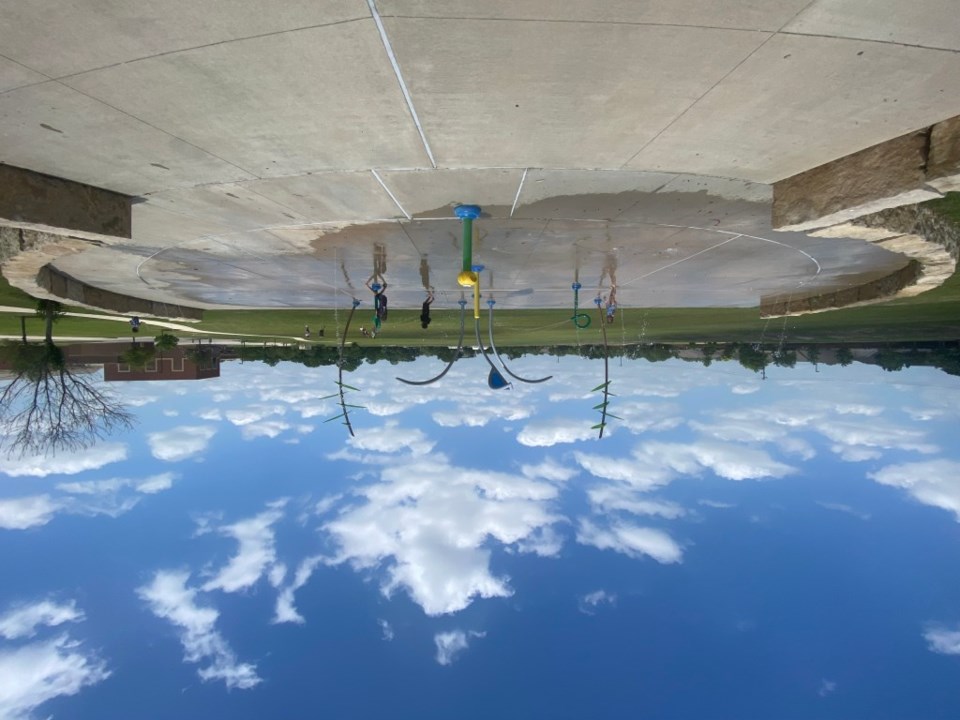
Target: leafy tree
{"x":205,"y":356}
{"x":844,"y":356}
{"x":709,"y":351}
{"x":752,"y":359}
{"x":137,"y":356}
{"x":785,"y":358}
{"x":165,"y":341}
{"x":890,"y":360}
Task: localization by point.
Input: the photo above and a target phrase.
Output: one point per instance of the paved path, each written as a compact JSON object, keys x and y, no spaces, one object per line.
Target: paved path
{"x":144,"y":323}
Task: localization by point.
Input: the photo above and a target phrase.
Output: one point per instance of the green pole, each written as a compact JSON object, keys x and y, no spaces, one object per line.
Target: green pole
{"x":467,"y":244}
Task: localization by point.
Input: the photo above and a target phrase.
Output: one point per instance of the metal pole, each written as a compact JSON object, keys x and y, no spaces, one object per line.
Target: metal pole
{"x":467,"y":213}
{"x":467,"y":243}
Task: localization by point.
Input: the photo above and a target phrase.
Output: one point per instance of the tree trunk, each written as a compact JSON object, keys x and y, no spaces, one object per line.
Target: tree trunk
{"x":48,"y":326}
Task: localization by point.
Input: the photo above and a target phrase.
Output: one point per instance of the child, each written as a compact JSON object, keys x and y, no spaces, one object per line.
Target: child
{"x":611,"y":304}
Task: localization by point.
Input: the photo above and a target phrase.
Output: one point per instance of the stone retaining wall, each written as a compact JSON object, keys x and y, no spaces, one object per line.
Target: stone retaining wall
{"x":870,"y":291}
{"x":27,"y":196}
{"x":62,"y":285}
{"x":27,"y":257}
{"x":916,"y":220}
{"x":906,"y":170}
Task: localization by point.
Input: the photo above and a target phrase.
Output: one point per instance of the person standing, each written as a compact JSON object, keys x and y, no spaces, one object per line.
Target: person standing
{"x":379,"y":299}
{"x":611,"y":304}
{"x":425,"y":310}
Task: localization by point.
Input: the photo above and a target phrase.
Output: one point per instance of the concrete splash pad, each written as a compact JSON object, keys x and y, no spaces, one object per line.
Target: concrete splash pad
{"x":270,"y":155}
{"x":661,"y":249}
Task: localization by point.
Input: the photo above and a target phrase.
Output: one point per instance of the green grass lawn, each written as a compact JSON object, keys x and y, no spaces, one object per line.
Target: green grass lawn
{"x":68,"y":327}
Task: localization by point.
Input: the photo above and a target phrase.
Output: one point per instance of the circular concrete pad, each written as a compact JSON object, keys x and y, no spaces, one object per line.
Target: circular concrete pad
{"x":663,"y":249}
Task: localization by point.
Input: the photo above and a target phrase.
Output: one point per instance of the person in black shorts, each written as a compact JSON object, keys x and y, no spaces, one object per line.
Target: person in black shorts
{"x":425,"y":310}
{"x":379,"y":297}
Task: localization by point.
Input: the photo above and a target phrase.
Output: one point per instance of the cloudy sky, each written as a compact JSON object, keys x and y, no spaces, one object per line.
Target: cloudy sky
{"x":731,"y":548}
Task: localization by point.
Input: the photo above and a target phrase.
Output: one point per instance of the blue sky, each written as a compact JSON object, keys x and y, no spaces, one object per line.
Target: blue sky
{"x":733,"y":548}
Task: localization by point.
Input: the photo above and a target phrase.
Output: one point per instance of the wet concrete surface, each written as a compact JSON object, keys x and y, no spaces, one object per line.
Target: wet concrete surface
{"x":660,"y":249}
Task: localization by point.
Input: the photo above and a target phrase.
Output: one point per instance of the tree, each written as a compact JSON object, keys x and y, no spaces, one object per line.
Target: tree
{"x":752,"y":359}
{"x":165,"y":341}
{"x":709,"y":351}
{"x":785,"y":358}
{"x":47,"y":407}
{"x":51,"y":311}
{"x":890,"y":360}
{"x":138,"y":356}
{"x":844,"y":356}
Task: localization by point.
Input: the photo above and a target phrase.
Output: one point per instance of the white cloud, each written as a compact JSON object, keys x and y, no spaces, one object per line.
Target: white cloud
{"x":180,"y":443}
{"x":92,"y":487}
{"x":155,"y":483}
{"x":631,"y":540}
{"x":480,"y":416}
{"x":169,"y":598}
{"x":386,"y":630}
{"x":857,"y":440}
{"x":609,"y":498}
{"x":547,"y":433}
{"x":797,"y":446}
{"x":68,"y":463}
{"x":657,"y":463}
{"x":32,"y":674}
{"x":392,"y":439}
{"x":826,"y":687}
{"x":212,"y":414}
{"x":252,"y":414}
{"x":255,"y":554}
{"x":745,"y":389}
{"x":264,"y":429}
{"x":857,"y":409}
{"x":855,"y":454}
{"x":543,"y":541}
{"x":639,"y":475}
{"x":591,"y":601}
{"x":732,"y":462}
{"x":933,"y":482}
{"x":285,"y":610}
{"x":429,"y":525}
{"x":943,"y":640}
{"x":147,"y":486}
{"x":139,"y":400}
{"x":451,"y":644}
{"x":924,"y":414}
{"x":716,"y":504}
{"x":549,"y":469}
{"x":23,"y":620}
{"x":26,"y":512}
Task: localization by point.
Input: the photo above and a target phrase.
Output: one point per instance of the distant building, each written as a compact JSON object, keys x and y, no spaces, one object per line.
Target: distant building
{"x":176,"y":364}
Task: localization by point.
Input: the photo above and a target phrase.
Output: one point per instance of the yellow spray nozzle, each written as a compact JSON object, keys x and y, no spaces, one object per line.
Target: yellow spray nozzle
{"x":467,"y":278}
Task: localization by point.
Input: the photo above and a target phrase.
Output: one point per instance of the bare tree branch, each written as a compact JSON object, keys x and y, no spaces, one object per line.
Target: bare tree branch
{"x":48,"y":408}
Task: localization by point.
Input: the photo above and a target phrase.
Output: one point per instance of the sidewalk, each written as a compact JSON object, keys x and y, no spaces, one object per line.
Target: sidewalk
{"x":143,"y":323}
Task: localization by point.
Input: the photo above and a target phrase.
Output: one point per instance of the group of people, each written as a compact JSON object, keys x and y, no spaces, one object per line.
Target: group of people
{"x":378,"y":286}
